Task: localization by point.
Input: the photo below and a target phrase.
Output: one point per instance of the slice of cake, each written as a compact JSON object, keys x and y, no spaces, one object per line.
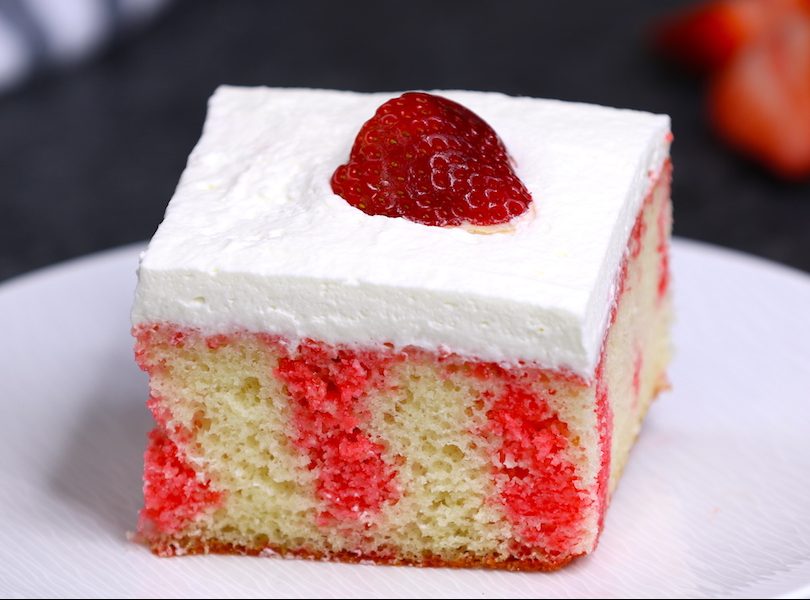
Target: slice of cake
{"x":420,"y":329}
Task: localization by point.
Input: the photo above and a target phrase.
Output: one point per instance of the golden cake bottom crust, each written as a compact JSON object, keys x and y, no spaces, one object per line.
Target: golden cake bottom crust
{"x":194,"y":546}
{"x":399,"y":456}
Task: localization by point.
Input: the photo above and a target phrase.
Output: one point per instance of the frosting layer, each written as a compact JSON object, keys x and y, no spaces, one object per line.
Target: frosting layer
{"x":255,"y":239}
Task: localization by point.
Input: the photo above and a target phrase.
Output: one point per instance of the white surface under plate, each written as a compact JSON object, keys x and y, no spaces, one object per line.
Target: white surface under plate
{"x":715,"y":500}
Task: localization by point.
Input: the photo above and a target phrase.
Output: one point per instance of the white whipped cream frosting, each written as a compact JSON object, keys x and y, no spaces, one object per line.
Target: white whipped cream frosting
{"x":255,"y":239}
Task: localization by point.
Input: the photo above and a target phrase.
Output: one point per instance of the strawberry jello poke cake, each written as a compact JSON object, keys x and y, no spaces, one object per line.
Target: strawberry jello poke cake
{"x":420,"y":328}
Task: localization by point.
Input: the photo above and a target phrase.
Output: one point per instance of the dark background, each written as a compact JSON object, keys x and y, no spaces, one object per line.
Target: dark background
{"x":89,"y":156}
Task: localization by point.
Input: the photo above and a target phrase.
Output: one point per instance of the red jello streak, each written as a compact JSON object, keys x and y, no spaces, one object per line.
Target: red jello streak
{"x":162,"y":415}
{"x":634,"y":243}
{"x":327,"y":386}
{"x":150,"y":336}
{"x":663,"y":240}
{"x":537,"y":485}
{"x":637,"y":234}
{"x":604,"y":425}
{"x":173,"y":494}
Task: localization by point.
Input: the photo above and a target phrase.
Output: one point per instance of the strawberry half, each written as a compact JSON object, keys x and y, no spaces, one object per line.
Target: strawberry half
{"x":761,"y":102}
{"x":430,"y":160}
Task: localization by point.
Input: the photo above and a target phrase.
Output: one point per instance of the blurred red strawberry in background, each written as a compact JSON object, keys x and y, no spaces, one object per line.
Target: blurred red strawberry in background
{"x":757,"y":54}
{"x":761,"y":102}
{"x":708,"y":36}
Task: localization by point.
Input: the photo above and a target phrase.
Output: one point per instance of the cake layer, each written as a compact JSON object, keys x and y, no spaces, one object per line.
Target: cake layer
{"x":255,"y":240}
{"x":266,"y":445}
{"x":388,"y":455}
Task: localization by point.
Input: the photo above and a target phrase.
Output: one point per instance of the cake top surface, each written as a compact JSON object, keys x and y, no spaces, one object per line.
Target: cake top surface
{"x":254,"y":237}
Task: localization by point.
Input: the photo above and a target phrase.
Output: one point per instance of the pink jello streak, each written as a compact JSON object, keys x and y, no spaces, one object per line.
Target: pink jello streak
{"x":327,"y":388}
{"x":174,"y":493}
{"x":535,"y":481}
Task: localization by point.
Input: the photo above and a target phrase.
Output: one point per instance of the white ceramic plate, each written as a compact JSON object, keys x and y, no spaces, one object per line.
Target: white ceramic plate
{"x":714,"y":502}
